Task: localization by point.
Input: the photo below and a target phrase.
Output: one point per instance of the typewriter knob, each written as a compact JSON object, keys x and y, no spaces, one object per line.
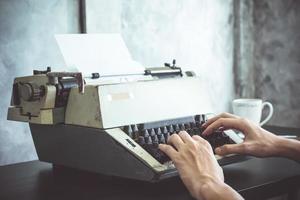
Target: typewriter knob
{"x":177,"y":128}
{"x":192,"y":125}
{"x":135,"y":128}
{"x":148,"y":140}
{"x":158,"y":131}
{"x":204,"y":118}
{"x":146,"y":133}
{"x":171,"y":129}
{"x":128,"y":129}
{"x":198,"y":118}
{"x":182,"y":127}
{"x":152,"y":132}
{"x":141,"y":140}
{"x":155,"y":139}
{"x":135,"y":131}
{"x":162,"y":139}
{"x":30,"y":91}
{"x":187,"y":126}
{"x":167,"y":135}
{"x":165,"y":130}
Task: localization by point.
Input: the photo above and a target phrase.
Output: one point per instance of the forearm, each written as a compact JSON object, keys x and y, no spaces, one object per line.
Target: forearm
{"x":289,"y":148}
{"x":214,"y":190}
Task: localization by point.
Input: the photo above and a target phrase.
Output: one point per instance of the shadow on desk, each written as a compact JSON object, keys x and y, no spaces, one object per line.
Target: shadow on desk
{"x":262,"y":178}
{"x":65,"y":183}
{"x":253,"y":179}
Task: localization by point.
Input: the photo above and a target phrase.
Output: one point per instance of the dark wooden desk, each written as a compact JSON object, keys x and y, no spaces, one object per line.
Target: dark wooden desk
{"x":254,"y":179}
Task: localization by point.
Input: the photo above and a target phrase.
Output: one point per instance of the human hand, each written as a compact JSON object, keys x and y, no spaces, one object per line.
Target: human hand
{"x":197,"y":166}
{"x":258,"y":141}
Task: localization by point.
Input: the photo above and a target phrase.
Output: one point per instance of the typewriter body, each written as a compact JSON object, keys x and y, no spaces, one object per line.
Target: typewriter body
{"x":113,"y":127}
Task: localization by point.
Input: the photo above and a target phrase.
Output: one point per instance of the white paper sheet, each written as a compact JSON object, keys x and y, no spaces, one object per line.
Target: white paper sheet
{"x":106,"y":54}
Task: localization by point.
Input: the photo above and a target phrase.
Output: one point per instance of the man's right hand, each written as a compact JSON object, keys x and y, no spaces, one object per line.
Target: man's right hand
{"x":258,"y":142}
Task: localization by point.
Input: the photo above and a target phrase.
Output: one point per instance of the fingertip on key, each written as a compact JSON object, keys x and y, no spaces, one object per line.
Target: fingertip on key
{"x":161,"y":146}
{"x":218,"y":150}
{"x":204,"y":133}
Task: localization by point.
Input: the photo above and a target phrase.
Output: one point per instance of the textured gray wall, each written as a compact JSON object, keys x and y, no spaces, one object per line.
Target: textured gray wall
{"x":198,"y":33}
{"x":268,"y":60}
{"x":277,"y":58}
{"x":27,"y":42}
{"x":243,"y":48}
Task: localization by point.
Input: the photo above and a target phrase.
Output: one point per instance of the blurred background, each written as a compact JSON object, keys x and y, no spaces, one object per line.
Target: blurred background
{"x":238,"y":49}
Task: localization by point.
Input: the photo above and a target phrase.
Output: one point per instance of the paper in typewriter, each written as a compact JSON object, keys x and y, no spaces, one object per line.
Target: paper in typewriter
{"x":106,"y":54}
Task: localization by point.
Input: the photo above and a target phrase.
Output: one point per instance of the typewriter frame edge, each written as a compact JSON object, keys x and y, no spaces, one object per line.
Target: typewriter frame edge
{"x":69,"y":146}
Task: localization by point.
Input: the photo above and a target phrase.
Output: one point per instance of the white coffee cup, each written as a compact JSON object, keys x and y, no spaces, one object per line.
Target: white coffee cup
{"x":252,"y":109}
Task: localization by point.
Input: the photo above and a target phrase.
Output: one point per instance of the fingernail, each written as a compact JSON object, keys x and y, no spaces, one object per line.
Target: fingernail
{"x":218,"y":150}
{"x":221,"y":129}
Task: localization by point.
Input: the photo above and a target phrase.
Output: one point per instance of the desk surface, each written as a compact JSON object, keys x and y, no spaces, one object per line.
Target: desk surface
{"x":254,"y":179}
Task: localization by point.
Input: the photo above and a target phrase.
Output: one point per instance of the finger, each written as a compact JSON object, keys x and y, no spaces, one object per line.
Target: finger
{"x":168,"y":150}
{"x":197,"y":138}
{"x":185,"y":136}
{"x":213,"y":119}
{"x":202,"y":141}
{"x":225,"y":123}
{"x":230,"y":149}
{"x":176,"y":141}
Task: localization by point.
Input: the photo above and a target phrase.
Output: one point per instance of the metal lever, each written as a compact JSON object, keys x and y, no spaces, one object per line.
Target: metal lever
{"x":54,"y":76}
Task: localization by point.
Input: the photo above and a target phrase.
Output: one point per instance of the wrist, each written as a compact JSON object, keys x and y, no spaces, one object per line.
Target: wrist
{"x":213,"y":189}
{"x":278,"y":147}
{"x":289,"y":148}
{"x":275,"y":145}
{"x":209,"y":189}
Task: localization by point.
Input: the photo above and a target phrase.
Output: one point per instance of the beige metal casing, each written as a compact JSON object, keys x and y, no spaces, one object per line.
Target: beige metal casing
{"x":108,"y":106}
{"x":46,"y":116}
{"x":39,"y":111}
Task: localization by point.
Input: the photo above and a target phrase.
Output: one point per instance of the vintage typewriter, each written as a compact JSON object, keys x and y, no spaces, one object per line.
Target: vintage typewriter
{"x":113,"y":127}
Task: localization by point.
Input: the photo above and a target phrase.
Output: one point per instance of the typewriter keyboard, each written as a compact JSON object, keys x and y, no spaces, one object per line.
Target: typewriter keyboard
{"x":149,"y":135}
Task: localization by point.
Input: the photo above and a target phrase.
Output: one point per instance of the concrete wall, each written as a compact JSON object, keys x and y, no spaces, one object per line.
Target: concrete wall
{"x":27,"y":42}
{"x":269,"y":61}
{"x":198,"y":33}
{"x":277,"y":58}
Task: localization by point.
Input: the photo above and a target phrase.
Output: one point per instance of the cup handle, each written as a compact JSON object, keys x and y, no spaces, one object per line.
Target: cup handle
{"x":270,"y":112}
